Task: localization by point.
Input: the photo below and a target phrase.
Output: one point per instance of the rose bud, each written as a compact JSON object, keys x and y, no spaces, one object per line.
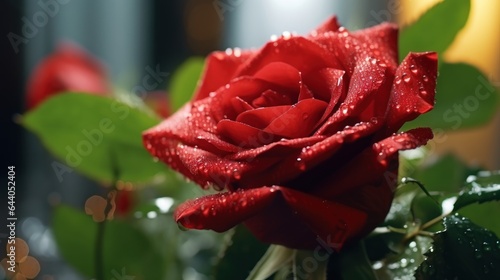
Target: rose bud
{"x":300,"y":135}
{"x":69,"y":68}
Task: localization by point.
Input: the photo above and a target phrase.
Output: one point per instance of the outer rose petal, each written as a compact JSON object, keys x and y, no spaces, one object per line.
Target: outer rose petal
{"x":312,"y":56}
{"x":383,"y":42}
{"x":413,"y":90}
{"x":373,"y":161}
{"x":330,"y":24}
{"x":324,"y":219}
{"x":223,"y":211}
{"x":219,"y":70}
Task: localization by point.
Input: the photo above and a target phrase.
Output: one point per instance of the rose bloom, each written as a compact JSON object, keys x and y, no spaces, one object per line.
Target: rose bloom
{"x":299,"y":136}
{"x":69,"y":68}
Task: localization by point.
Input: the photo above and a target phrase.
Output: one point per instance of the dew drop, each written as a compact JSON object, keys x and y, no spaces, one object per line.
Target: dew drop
{"x":423,"y":91}
{"x":206,"y":212}
{"x":486,"y":247}
{"x":345,"y":110}
{"x":236,"y":174}
{"x":478,"y":254}
{"x":397,"y":80}
{"x":300,"y":164}
{"x":404,"y":262}
{"x":286,"y":35}
{"x":237,"y":52}
{"x":244,"y":202}
{"x":413,"y":69}
{"x":381,"y":156}
{"x":407,"y":79}
{"x":425,"y":78}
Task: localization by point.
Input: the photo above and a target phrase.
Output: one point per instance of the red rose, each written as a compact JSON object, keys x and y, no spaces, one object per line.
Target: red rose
{"x":69,"y":68}
{"x":300,"y":134}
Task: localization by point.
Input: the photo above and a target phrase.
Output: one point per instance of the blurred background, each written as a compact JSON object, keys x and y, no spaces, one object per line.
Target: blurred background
{"x":131,"y":36}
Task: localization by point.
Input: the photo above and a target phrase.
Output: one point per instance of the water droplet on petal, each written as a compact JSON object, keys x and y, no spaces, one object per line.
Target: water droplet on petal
{"x":236,"y":174}
{"x":345,"y":110}
{"x":413,"y":69}
{"x":407,"y":79}
{"x":425,"y":78}
{"x":381,"y":156}
{"x":286,"y":35}
{"x":300,"y":164}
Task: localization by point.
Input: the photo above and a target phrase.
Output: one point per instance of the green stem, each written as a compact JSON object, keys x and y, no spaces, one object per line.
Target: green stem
{"x":99,"y":243}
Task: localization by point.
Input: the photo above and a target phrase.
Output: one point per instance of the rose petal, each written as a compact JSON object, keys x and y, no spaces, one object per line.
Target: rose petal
{"x":293,"y":166}
{"x":305,"y":93}
{"x":370,"y":85}
{"x":326,"y":84}
{"x":281,"y":74}
{"x":272,"y":98}
{"x":413,"y":90}
{"x":299,"y":121}
{"x":240,"y":105}
{"x":312,"y":56}
{"x":330,"y":24}
{"x":244,"y":135}
{"x":221,"y":103}
{"x":219,"y":70}
{"x":223,"y":211}
{"x":374,"y":161}
{"x":262,"y":117}
{"x":330,"y":221}
{"x":382,"y":40}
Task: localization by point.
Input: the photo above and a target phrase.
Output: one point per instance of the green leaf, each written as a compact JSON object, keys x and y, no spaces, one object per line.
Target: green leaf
{"x":400,"y":211}
{"x":425,"y":208}
{"x":465,"y":98}
{"x":447,"y":174}
{"x":435,"y":265}
{"x":404,"y":264}
{"x":309,"y":265}
{"x":84,"y":131}
{"x":184,"y":81}
{"x":463,"y":251}
{"x":273,"y":260}
{"x":239,"y":245}
{"x":436,"y":29}
{"x":352,"y":263}
{"x":125,"y":248}
{"x":482,"y":188}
